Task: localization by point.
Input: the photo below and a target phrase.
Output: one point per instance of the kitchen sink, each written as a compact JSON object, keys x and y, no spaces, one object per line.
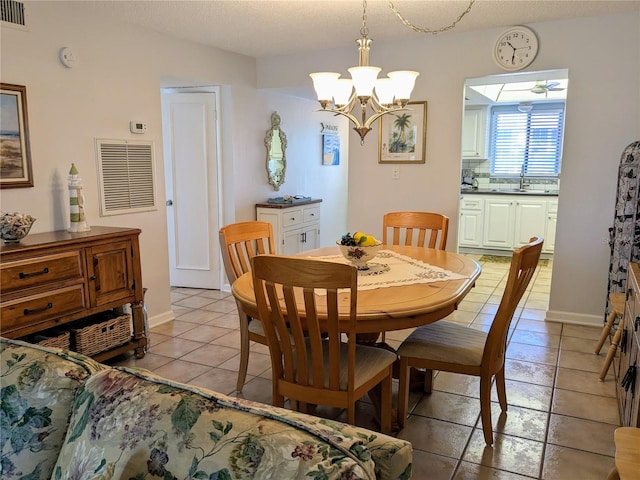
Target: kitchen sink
{"x":522,"y":190}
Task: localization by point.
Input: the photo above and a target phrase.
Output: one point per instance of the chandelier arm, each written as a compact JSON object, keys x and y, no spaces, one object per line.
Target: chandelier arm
{"x":425,"y":29}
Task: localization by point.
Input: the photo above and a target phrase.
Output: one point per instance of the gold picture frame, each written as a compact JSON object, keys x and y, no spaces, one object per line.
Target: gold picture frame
{"x":403,"y":135}
{"x":15,"y":153}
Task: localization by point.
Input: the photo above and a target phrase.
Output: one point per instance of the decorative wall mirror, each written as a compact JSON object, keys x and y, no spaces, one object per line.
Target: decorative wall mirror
{"x":276,"y":143}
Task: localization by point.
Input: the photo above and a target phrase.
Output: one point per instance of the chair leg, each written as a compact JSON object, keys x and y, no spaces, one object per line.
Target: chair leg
{"x":403,"y":391}
{"x":428,"y":381}
{"x":485,"y":408}
{"x":613,"y":474}
{"x":244,"y":351}
{"x":606,"y":330}
{"x":611,"y":354}
{"x":502,"y":391}
{"x":385,"y":405}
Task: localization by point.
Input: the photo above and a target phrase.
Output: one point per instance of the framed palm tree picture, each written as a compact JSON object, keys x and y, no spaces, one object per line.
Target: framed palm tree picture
{"x":403,"y":135}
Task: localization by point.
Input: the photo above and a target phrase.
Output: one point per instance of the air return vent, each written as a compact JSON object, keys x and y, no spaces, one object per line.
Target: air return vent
{"x":127,"y":183}
{"x":12,"y":14}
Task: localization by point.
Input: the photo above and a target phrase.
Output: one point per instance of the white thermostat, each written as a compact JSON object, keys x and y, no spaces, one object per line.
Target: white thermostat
{"x":137,"y":127}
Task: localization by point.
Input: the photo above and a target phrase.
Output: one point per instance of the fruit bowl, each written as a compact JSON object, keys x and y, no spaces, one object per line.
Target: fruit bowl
{"x":14,"y":226}
{"x":359,"y":255}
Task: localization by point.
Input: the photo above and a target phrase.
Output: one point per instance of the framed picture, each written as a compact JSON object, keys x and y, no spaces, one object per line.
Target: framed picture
{"x":330,"y":149}
{"x":15,"y":154}
{"x":403,"y":135}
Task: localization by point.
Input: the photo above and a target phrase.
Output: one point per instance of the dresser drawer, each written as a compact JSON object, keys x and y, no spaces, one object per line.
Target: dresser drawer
{"x":311,"y":214}
{"x":41,"y":307}
{"x":30,"y":272}
{"x":292,"y":217}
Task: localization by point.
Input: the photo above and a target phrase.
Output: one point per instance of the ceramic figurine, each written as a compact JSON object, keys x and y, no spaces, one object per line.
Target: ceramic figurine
{"x":76,"y":202}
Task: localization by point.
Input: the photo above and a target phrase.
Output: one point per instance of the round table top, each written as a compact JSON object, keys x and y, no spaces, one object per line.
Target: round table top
{"x":395,"y":307}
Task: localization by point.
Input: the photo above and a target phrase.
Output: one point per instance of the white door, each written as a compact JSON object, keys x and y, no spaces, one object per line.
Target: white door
{"x":189,"y":125}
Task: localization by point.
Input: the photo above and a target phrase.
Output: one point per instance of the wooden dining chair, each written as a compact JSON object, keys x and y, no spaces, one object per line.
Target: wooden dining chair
{"x":450,"y":347}
{"x":239,"y":242}
{"x":415,"y":228}
{"x":312,"y":364}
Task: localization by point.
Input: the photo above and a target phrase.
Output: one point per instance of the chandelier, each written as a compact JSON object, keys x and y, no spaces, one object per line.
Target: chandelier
{"x":364,"y":88}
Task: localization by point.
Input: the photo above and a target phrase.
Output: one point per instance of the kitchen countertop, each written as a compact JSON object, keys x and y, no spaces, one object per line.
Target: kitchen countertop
{"x":515,"y":191}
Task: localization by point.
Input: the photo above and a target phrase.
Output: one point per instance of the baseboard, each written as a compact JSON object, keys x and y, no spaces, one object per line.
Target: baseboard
{"x":574,"y":318}
{"x":162,"y":318}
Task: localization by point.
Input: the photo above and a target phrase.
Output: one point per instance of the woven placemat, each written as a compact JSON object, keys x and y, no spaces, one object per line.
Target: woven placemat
{"x":543,"y":262}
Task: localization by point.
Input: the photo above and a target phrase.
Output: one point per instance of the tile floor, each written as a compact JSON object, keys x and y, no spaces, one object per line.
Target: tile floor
{"x":560,"y":420}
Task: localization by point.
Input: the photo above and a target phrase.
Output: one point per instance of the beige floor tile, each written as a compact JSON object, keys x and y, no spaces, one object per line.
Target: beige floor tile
{"x":181,"y":371}
{"x":473,"y":471}
{"x":526,"y":395}
{"x":150,"y":361}
{"x":156,"y":338}
{"x":199,"y":316}
{"x":222,"y":306}
{"x":432,"y":466}
{"x":258,"y":363}
{"x":586,"y":382}
{"x":436,"y":436}
{"x":580,"y":361}
{"x":215,"y":294}
{"x":194,"y":302}
{"x":187,"y":291}
{"x":536,"y":373}
{"x":205,"y":333}
{"x":584,"y":405}
{"x":567,"y":463}
{"x":519,"y":422}
{"x":513,"y":454}
{"x":179,"y":311}
{"x":468,"y":306}
{"x":211,"y":355}
{"x":218,"y":380}
{"x":231,"y":339}
{"x":458,"y":384}
{"x":536,"y":338}
{"x":577,"y":344}
{"x":533,"y":325}
{"x":177,"y":296}
{"x":535,"y":304}
{"x":474,"y":296}
{"x":462,"y":317}
{"x":582,"y":331}
{"x":532,"y":353}
{"x":173,"y":328}
{"x":231,"y":321}
{"x":581,"y":434}
{"x":175,"y":347}
{"x":449,"y":407}
{"x":257,"y":389}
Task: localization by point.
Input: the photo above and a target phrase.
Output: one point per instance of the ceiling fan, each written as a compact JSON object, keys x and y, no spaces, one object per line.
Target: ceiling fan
{"x":544,"y":87}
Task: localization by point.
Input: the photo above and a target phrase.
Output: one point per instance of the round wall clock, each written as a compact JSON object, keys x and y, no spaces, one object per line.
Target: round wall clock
{"x":515,"y":48}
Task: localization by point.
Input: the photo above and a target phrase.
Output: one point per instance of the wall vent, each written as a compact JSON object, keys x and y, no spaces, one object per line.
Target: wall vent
{"x":126,"y":176}
{"x":13,"y":14}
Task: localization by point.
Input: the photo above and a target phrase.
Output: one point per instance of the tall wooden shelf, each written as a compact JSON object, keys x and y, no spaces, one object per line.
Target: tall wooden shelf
{"x":54,"y":278}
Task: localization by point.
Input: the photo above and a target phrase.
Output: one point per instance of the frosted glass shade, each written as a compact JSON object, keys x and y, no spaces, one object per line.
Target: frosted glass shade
{"x":324,"y":84}
{"x":384,"y":91}
{"x":403,"y":83}
{"x":364,"y":79}
{"x":342,"y":91}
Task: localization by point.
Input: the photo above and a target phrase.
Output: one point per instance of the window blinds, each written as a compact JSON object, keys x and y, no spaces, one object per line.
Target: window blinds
{"x":526,"y":142}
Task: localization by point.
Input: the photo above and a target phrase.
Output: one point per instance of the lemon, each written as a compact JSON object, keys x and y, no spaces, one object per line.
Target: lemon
{"x":368,"y":241}
{"x":357,"y":237}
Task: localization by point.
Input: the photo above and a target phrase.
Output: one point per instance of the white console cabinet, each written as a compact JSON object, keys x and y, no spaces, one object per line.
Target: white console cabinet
{"x":296,"y":226}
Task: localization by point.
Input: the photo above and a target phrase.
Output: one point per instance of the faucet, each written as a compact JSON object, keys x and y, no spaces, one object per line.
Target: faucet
{"x":522,"y":178}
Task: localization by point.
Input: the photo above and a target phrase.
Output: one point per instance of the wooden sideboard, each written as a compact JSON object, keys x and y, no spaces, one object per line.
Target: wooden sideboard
{"x":628,"y":371}
{"x":50,"y":279}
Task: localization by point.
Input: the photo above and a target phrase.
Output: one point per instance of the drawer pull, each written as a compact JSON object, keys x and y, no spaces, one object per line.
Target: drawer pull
{"x":33,"y":274}
{"x":38,"y":310}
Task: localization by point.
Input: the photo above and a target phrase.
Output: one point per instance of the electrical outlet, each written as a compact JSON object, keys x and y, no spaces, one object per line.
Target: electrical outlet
{"x":395,"y":174}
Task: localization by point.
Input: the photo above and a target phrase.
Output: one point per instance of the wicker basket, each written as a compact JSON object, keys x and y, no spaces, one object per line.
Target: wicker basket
{"x":107,"y":330}
{"x":53,"y":338}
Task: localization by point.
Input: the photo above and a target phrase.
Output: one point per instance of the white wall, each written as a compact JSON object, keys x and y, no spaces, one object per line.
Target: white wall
{"x":603,"y":116}
{"x":121,"y":69}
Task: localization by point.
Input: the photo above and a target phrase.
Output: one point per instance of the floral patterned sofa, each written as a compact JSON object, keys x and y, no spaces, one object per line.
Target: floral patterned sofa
{"x":65,"y":416}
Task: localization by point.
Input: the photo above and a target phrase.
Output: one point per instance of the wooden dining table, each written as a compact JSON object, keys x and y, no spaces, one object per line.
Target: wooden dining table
{"x":393,"y":307}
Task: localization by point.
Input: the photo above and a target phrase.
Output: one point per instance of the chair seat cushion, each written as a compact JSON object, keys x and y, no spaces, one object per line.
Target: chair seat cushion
{"x":445,"y":342}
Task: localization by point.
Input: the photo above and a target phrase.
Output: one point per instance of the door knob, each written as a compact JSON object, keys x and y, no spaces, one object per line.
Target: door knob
{"x":169,"y":203}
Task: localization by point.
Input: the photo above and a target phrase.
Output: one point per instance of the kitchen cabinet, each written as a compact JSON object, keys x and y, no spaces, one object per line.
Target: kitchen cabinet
{"x":498,"y":223}
{"x":296,"y":226}
{"x":628,"y":371}
{"x":471,"y":219}
{"x":474,"y":132}
{"x":51,"y":279}
{"x":506,"y":222}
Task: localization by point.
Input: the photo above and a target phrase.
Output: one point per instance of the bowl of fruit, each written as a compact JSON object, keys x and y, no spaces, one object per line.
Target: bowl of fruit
{"x":359,"y":249}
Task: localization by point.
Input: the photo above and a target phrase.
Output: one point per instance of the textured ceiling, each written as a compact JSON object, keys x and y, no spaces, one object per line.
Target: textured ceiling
{"x":265,"y":28}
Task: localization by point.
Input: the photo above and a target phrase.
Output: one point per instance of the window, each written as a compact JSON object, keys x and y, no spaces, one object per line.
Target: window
{"x":526,"y":142}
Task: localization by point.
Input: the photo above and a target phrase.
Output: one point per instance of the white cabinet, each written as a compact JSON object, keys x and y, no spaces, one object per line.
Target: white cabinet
{"x":474,"y":132}
{"x":530,"y":221}
{"x":296,"y":227}
{"x":498,"y":223}
{"x":471,"y":218}
{"x":506,"y":222}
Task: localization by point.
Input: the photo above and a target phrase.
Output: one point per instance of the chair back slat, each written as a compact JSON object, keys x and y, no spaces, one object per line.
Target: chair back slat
{"x":523,"y":265}
{"x":403,"y":225}
{"x":310,"y":356}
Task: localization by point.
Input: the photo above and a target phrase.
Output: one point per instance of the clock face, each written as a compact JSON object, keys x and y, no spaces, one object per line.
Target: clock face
{"x":516,"y":48}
